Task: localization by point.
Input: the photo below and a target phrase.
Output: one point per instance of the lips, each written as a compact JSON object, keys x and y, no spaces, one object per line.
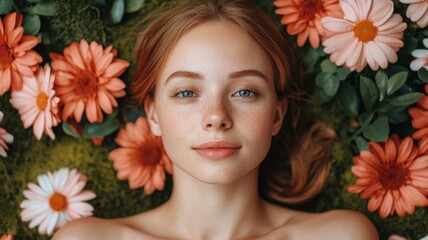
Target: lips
{"x":217,"y":149}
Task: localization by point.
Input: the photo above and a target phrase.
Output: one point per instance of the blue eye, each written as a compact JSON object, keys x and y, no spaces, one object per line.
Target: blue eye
{"x":185,"y":94}
{"x":245,"y":93}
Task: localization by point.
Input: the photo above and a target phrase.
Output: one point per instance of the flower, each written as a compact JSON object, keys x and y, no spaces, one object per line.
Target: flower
{"x":417,"y":11}
{"x":141,"y":157}
{"x":37,"y":103}
{"x":370,"y":33}
{"x":87,"y":80}
{"x":5,"y":137}
{"x":419,"y":114}
{"x":303,"y":18}
{"x":421,"y":56}
{"x":6,"y":237}
{"x":393,"y":176}
{"x":57,"y":200}
{"x":16,"y":56}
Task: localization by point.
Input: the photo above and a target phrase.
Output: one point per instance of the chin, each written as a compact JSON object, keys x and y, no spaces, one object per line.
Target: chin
{"x":220,"y":176}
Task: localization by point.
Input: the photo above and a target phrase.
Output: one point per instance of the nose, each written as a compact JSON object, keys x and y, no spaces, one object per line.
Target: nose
{"x":216,"y":115}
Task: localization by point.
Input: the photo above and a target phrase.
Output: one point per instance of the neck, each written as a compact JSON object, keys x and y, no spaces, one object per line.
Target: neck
{"x":216,"y":211}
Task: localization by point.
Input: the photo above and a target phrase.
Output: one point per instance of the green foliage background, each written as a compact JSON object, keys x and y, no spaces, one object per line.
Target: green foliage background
{"x":73,"y":20}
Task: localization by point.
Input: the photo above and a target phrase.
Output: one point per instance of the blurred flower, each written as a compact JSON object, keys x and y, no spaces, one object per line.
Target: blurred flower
{"x":302,"y":17}
{"x":16,"y":56}
{"x":5,"y":137}
{"x":370,"y":33}
{"x":57,"y":200}
{"x":419,"y":114}
{"x":6,"y":237}
{"x":86,"y":80}
{"x":37,"y":104}
{"x":421,"y":56}
{"x":417,"y":11}
{"x":141,"y":157}
{"x":393,"y":176}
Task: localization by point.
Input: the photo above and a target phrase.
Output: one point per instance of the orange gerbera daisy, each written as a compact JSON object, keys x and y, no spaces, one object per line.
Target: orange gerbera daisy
{"x":303,"y":17}
{"x":16,"y":56}
{"x":393,"y":175}
{"x":141,"y":157}
{"x":419,"y":115}
{"x":87,"y":80}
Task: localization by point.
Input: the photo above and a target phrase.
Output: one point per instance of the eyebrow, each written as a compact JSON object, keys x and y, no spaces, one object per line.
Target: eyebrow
{"x":198,"y":76}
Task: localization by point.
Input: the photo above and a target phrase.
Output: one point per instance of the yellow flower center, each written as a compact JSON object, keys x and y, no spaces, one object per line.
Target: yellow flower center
{"x":365,"y":31}
{"x":6,"y":55}
{"x":58,"y":202}
{"x":309,"y":8}
{"x":86,"y":85}
{"x":42,"y":100}
{"x":393,"y":176}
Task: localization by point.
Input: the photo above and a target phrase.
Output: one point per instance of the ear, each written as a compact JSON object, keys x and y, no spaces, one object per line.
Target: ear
{"x":281,"y":109}
{"x":152,"y":117}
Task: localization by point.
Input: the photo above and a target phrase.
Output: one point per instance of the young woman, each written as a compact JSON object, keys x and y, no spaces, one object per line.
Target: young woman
{"x":219,"y":84}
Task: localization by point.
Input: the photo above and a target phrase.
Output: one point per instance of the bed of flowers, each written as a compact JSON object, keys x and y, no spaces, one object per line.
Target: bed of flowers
{"x":73,"y":144}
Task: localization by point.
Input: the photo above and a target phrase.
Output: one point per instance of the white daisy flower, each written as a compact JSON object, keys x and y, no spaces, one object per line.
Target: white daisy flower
{"x":421,"y":56}
{"x":58,"y":199}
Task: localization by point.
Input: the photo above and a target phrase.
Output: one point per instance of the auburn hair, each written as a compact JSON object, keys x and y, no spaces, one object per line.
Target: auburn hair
{"x":296,"y":166}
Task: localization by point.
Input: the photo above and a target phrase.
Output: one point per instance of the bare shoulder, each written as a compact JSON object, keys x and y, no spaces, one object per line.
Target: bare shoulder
{"x":98,"y":228}
{"x":347,"y":224}
{"x":335,"y":224}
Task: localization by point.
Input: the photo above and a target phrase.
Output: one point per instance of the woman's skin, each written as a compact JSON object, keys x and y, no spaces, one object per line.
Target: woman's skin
{"x":216,"y":110}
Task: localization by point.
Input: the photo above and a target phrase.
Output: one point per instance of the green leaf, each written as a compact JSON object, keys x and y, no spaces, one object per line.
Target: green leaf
{"x":44,"y":8}
{"x":67,"y":129}
{"x":328,"y":66}
{"x":369,"y":92}
{"x":366,"y":118}
{"x":378,"y":131}
{"x":362,"y":143}
{"x":93,"y":130}
{"x":423,"y":75}
{"x":398,"y":117}
{"x":34,"y":1}
{"x":347,"y":98}
{"x":322,"y":78}
{"x":386,"y":107}
{"x":31,"y":24}
{"x":5,"y":6}
{"x":320,"y":96}
{"x":406,"y":99}
{"x":395,"y":82}
{"x":342,"y":73}
{"x":117,"y":10}
{"x":133,"y":5}
{"x":331,"y":86}
{"x":381,"y":82}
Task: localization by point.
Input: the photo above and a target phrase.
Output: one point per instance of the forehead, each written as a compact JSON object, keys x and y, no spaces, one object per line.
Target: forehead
{"x":217,"y":47}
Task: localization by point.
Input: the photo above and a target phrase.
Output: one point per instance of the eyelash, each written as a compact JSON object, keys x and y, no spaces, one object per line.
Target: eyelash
{"x":253,"y":92}
{"x":179,"y":91}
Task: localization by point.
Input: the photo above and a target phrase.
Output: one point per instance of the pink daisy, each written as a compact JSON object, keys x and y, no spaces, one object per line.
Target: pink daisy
{"x":421,"y":56}
{"x":6,"y":237}
{"x":87,"y":80}
{"x":37,"y":104}
{"x":417,"y":11}
{"x":58,"y":199}
{"x":5,"y":137}
{"x":369,"y":33}
{"x":16,"y":56}
{"x":302,"y":18}
{"x":141,"y":157}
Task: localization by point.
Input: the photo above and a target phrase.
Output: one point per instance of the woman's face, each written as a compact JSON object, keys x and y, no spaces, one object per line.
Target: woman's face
{"x":215,"y":104}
